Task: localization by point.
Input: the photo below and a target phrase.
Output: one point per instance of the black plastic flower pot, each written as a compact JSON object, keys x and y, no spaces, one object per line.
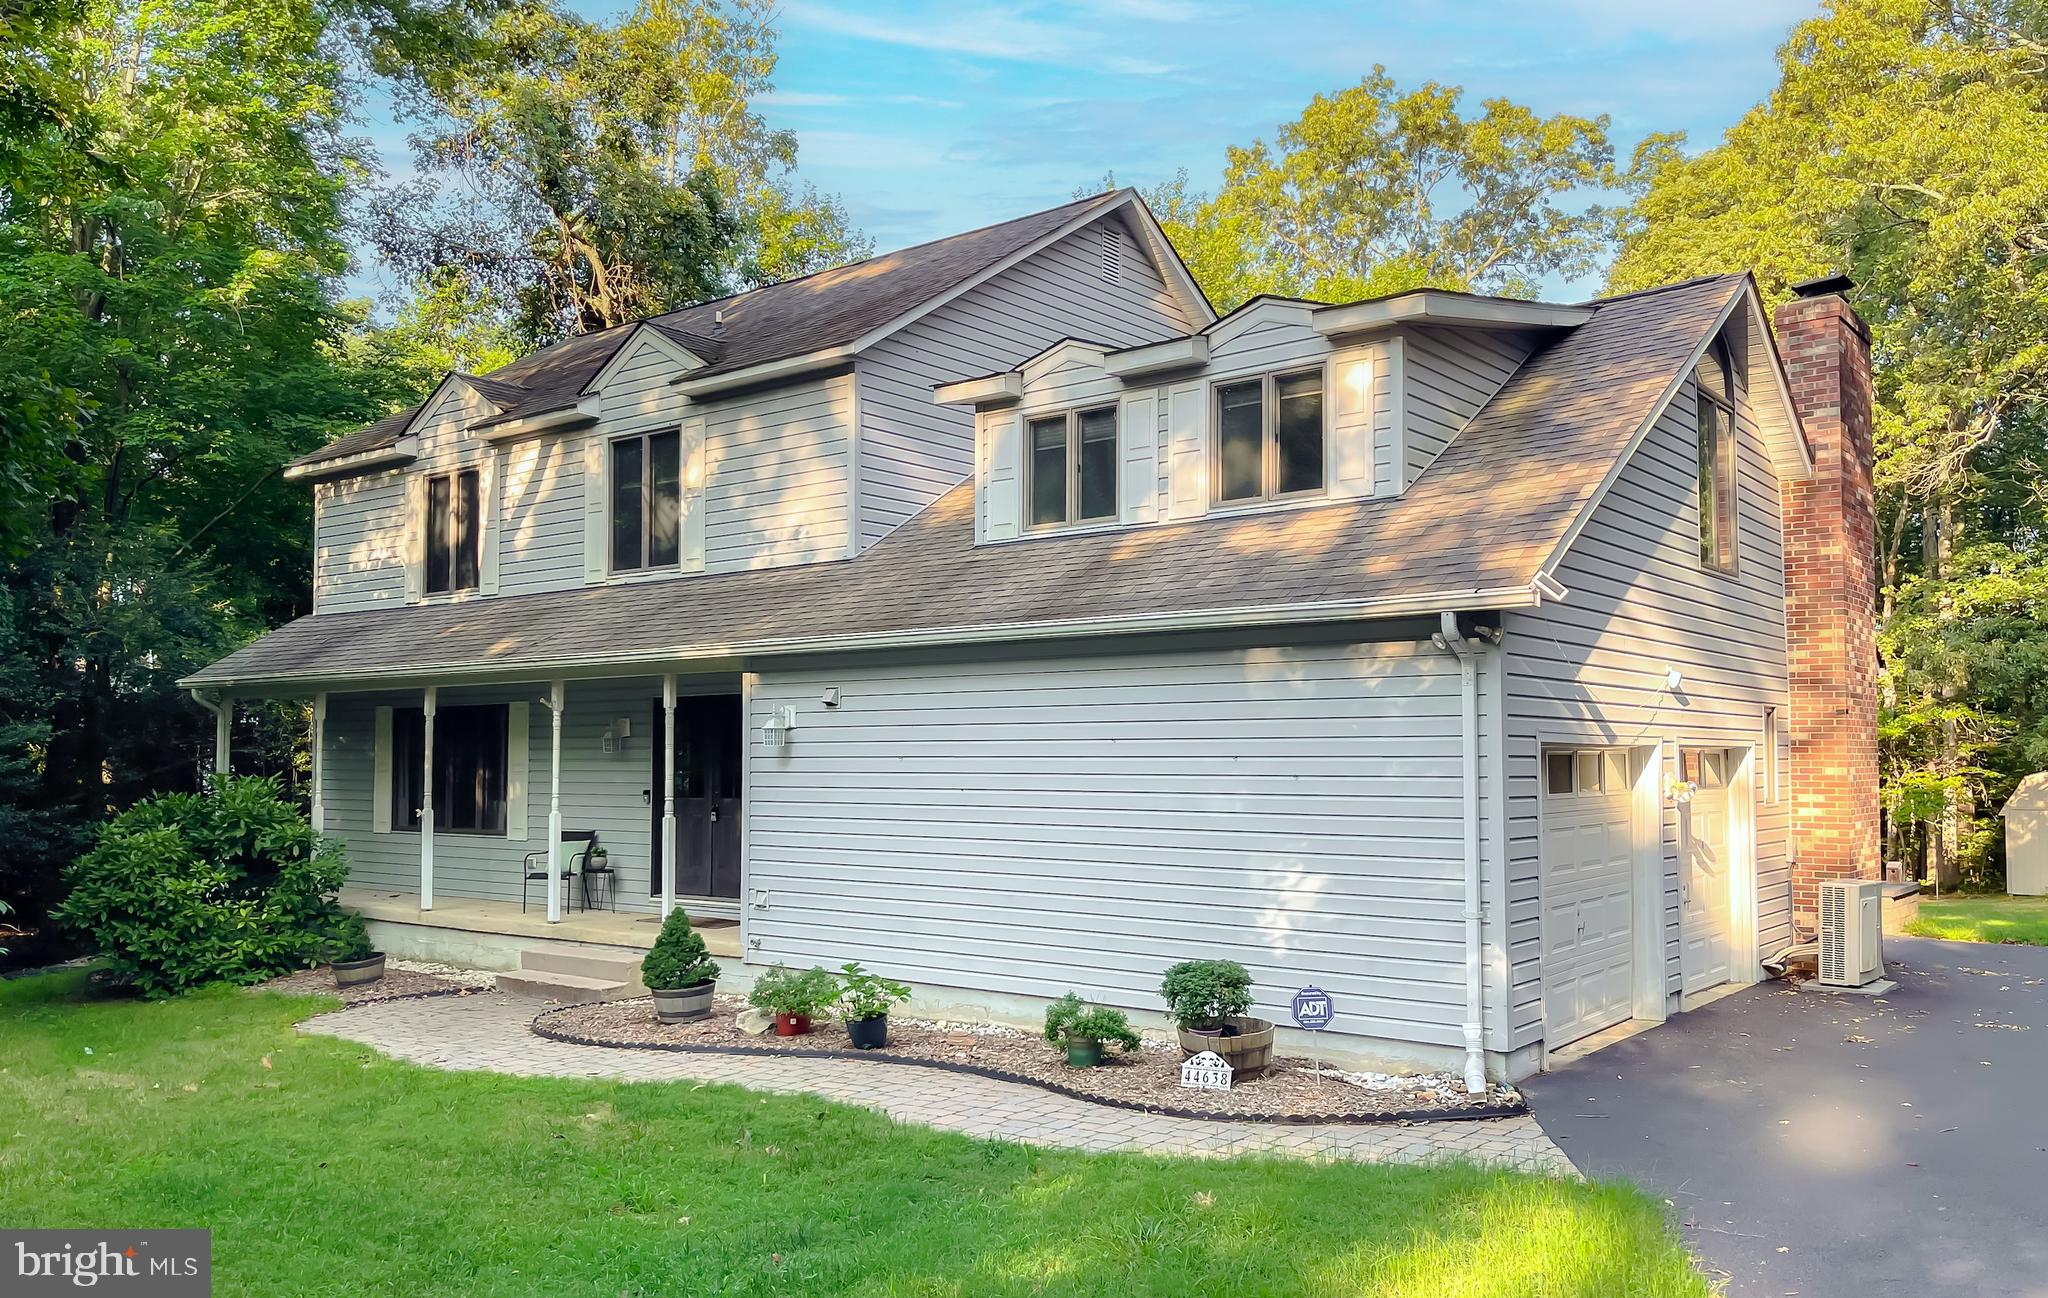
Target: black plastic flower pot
{"x":868,"y":1034}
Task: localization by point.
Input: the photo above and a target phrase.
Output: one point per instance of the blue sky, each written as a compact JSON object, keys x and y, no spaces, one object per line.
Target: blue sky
{"x":935,"y":116}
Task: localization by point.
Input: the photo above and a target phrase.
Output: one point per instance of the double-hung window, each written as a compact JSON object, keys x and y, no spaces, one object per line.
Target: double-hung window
{"x":469,"y":769}
{"x":1072,"y":467}
{"x":1269,"y":437}
{"x":647,"y":506}
{"x":1716,"y":485}
{"x":453,"y":541}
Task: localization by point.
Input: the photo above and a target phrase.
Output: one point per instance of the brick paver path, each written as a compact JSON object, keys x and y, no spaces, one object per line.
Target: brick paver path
{"x":489,"y":1032}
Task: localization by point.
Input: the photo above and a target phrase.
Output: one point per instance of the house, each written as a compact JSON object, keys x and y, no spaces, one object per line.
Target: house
{"x":994,"y":614}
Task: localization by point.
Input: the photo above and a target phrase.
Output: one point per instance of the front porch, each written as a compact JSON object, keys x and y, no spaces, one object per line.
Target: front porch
{"x":483,"y":934}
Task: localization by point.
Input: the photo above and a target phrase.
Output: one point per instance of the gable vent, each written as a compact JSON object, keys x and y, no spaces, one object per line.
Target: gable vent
{"x":1112,"y":257}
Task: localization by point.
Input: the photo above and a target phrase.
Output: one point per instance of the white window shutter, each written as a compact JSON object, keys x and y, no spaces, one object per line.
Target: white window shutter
{"x":692,"y":494}
{"x":1005,"y":474}
{"x":517,"y":756}
{"x":1392,"y":394}
{"x":1350,"y":445}
{"x":487,"y":502}
{"x":1187,"y":452}
{"x":380,"y":773}
{"x":594,"y":505}
{"x":415,"y":537}
{"x":1138,"y":457}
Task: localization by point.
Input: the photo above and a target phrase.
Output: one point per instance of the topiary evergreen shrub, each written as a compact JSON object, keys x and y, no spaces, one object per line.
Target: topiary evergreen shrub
{"x":678,"y":959}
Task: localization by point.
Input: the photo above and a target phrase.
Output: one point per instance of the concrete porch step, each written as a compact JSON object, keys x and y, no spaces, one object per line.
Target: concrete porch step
{"x":570,"y":989}
{"x":621,"y":967}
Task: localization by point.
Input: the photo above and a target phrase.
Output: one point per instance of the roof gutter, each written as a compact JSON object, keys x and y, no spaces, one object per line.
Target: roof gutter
{"x":582,"y":411}
{"x":765,"y":372}
{"x":403,"y":451}
{"x":1262,"y":615}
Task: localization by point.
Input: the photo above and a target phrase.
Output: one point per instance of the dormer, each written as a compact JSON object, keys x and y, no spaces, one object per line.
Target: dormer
{"x":1284,"y":403}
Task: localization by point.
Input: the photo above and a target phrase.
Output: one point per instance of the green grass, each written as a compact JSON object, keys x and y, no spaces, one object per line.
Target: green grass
{"x":1984,"y":919}
{"x":323,"y":1168}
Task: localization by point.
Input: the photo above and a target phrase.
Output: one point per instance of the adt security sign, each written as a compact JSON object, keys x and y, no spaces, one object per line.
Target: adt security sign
{"x":1312,"y":1009}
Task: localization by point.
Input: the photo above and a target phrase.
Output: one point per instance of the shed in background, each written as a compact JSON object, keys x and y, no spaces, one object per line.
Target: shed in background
{"x":2026,"y":837}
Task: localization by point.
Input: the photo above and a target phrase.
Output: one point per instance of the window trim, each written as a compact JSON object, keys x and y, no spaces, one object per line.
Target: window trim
{"x":1269,"y":437}
{"x":645,"y":437}
{"x":1710,"y":479}
{"x":405,"y":766}
{"x":454,"y":478}
{"x":1071,"y":517}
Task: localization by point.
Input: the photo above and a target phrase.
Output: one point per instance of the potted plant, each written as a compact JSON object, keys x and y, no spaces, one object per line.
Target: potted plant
{"x":355,"y":962}
{"x":1208,"y":1000}
{"x":680,"y":974}
{"x":864,"y":1001}
{"x":1081,"y":1029}
{"x":793,"y":998}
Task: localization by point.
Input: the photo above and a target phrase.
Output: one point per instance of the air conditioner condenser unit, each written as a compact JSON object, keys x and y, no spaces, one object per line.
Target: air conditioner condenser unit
{"x":1851,"y":932}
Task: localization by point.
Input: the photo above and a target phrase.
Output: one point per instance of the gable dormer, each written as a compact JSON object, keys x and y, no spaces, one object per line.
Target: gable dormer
{"x":1284,"y":403}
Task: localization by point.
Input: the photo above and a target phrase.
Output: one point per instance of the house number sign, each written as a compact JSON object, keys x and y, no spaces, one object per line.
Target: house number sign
{"x":1206,"y":1071}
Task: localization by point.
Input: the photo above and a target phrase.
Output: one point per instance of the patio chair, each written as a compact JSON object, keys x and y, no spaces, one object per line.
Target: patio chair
{"x":572,"y":854}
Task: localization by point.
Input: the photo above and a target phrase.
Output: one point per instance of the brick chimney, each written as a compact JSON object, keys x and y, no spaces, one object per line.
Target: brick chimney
{"x":1831,"y":596}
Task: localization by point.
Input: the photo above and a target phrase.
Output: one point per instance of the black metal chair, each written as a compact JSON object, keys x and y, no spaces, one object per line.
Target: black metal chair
{"x":572,"y":866}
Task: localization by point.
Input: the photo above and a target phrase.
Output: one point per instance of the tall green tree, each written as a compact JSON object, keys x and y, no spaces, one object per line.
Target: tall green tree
{"x":621,"y":168}
{"x":1376,"y":189}
{"x":1905,"y":144}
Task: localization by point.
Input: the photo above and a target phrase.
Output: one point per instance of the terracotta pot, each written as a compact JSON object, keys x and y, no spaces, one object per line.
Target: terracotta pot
{"x":356,"y":973}
{"x":792,"y":1025}
{"x":683,"y":1004}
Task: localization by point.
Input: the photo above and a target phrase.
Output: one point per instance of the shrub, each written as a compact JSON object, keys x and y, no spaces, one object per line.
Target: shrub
{"x":785,"y":991}
{"x":230,"y":885}
{"x":1071,"y":1019}
{"x":351,"y":940}
{"x":863,"y":995}
{"x":1203,"y":992}
{"x":678,"y":959}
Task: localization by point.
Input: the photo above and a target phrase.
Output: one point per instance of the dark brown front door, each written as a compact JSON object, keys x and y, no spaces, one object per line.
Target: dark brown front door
{"x":708,"y":735}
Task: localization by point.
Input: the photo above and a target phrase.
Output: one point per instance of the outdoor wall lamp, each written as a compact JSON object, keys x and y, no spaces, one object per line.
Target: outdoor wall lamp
{"x":775,"y":730}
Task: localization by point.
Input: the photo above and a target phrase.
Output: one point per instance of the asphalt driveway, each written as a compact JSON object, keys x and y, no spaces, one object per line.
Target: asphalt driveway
{"x":1839,"y":1145}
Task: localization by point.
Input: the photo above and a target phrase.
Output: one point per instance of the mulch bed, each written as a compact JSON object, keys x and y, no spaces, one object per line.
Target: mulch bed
{"x":395,"y":985}
{"x":1147,"y":1079}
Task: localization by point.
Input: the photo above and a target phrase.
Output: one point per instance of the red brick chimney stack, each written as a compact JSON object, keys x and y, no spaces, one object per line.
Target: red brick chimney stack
{"x":1831,"y":596}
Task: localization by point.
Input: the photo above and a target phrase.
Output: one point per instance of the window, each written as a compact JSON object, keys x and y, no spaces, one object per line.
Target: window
{"x":452,"y":533}
{"x":647,"y":502}
{"x":469,"y":769}
{"x":1585,"y":771}
{"x":1072,"y":467}
{"x":1716,"y":486}
{"x":1269,"y":437}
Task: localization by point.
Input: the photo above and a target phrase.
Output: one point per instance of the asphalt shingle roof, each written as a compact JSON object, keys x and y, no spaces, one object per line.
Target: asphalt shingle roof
{"x":794,"y":318}
{"x":1487,"y":515}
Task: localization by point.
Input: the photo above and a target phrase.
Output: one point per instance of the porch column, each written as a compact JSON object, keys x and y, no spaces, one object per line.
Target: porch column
{"x":666,"y":888}
{"x":319,"y":762}
{"x":427,"y":801}
{"x":555,"y":702}
{"x":223,"y":732}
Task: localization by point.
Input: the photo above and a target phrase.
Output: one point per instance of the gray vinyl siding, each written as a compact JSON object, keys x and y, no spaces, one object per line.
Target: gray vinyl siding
{"x":775,"y":465}
{"x":600,"y":791}
{"x":1450,"y":375}
{"x":359,"y":542}
{"x":1593,"y":665}
{"x":1032,"y":826}
{"x":911,"y":448}
{"x":540,"y":515}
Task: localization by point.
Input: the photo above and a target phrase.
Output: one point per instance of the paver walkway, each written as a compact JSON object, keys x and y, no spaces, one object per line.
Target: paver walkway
{"x":489,"y":1033}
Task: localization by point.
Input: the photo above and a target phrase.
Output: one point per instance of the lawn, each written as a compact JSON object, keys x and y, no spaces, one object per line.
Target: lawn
{"x":323,"y":1168}
{"x":1984,"y":919}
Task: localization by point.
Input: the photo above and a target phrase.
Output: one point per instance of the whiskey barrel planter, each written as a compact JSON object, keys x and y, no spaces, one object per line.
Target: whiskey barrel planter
{"x":1246,"y":1044}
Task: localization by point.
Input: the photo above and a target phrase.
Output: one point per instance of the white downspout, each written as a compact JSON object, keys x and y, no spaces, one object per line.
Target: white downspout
{"x":223,"y":710}
{"x":1450,"y":638}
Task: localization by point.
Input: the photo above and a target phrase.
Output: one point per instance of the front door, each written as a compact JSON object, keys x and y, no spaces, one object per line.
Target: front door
{"x":1706,"y":875}
{"x":708,"y":750}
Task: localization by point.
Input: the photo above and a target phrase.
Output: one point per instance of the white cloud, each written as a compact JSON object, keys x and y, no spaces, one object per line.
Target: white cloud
{"x":983,"y":32}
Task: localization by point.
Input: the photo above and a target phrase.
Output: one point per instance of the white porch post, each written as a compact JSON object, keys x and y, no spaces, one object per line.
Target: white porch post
{"x":427,"y":801}
{"x":666,"y":889}
{"x":223,"y":732}
{"x":555,"y":704}
{"x":319,"y":764}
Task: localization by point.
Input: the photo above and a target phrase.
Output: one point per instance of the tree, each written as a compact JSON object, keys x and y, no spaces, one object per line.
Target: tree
{"x":621,"y":169}
{"x":1903,"y":144}
{"x":1375,"y":190}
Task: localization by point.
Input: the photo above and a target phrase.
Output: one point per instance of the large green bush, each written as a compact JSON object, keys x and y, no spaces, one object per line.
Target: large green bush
{"x":186,"y":889}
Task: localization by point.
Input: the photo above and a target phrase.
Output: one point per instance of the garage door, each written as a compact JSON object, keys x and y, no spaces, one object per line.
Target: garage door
{"x":1588,"y":893}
